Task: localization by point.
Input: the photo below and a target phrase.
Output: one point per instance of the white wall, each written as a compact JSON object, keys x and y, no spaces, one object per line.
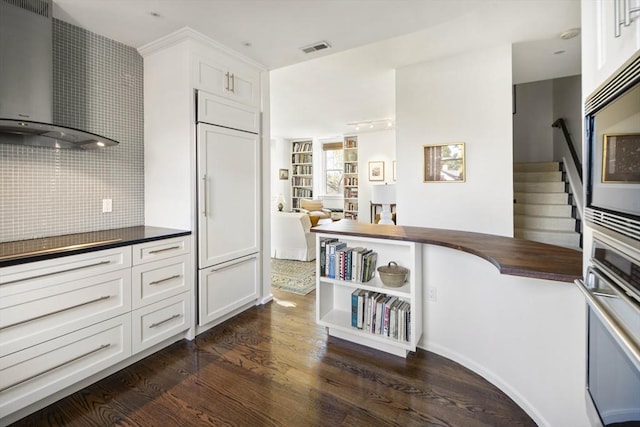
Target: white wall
{"x":373,"y":146}
{"x":464,"y":98}
{"x":532,"y":131}
{"x":280,"y":159}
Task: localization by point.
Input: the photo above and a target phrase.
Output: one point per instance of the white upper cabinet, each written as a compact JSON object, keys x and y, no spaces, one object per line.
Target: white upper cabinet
{"x":608,"y":42}
{"x":225,"y":76}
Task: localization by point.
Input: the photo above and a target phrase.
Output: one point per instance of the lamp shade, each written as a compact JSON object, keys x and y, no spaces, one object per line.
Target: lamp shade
{"x":383,"y":194}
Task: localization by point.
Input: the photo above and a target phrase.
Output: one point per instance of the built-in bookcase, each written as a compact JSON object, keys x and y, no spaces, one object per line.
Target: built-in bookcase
{"x":350,"y":177}
{"x":301,"y":172}
{"x":339,"y":300}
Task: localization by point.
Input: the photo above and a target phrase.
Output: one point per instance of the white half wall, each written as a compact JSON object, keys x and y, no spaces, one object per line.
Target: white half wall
{"x":526,"y":336}
{"x":464,"y":98}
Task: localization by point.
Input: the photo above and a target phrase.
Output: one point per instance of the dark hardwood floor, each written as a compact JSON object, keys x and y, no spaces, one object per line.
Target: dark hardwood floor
{"x":272,"y":366}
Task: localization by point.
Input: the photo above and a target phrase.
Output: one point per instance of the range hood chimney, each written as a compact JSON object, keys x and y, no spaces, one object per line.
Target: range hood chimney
{"x":26,"y":80}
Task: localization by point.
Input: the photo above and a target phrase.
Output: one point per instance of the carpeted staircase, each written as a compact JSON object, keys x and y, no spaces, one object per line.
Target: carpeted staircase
{"x":543,"y":209}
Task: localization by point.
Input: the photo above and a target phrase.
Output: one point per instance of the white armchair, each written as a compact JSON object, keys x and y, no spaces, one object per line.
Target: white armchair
{"x":291,"y":238}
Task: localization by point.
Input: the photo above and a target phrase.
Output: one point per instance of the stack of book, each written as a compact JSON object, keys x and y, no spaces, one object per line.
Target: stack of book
{"x":381,"y":314}
{"x":337,"y":261}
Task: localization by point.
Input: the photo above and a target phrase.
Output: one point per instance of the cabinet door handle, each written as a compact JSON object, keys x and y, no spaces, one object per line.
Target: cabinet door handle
{"x":233,"y":83}
{"x":616,"y":17}
{"x":157,"y":251}
{"x":204,"y":195}
{"x":59,"y":272}
{"x":155,"y":325}
{"x":226,"y":80}
{"x":82,"y":304}
{"x":60,"y":365}
{"x":157,"y":282}
{"x":215,"y":270}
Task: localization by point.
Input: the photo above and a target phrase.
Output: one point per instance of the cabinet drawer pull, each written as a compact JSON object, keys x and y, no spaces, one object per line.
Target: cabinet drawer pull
{"x":157,"y":282}
{"x":215,"y":270}
{"x":154,"y":325}
{"x":56,"y":312}
{"x":60,"y":365}
{"x":59,"y":272}
{"x":204,"y":195}
{"x":157,"y":251}
{"x":232,"y":89}
{"x":226,"y":81}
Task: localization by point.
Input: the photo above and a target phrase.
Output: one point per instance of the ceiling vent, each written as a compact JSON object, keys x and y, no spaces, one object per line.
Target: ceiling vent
{"x":315,"y":47}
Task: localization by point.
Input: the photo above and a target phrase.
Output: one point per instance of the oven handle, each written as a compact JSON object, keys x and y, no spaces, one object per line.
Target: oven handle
{"x":628,"y":342}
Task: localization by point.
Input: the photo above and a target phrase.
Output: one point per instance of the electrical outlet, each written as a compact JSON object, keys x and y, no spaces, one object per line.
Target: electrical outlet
{"x":432,"y":294}
{"x":107,"y":205}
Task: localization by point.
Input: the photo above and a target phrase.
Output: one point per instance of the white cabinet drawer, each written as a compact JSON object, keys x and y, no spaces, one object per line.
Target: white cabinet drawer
{"x":66,"y":268}
{"x":39,"y":371}
{"x":226,"y":287}
{"x":41,"y":312}
{"x":156,"y":322}
{"x":154,"y":281}
{"x":160,"y":249}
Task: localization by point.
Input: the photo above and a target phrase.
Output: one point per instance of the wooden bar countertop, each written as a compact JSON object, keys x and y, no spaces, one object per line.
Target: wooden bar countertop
{"x":512,"y":256}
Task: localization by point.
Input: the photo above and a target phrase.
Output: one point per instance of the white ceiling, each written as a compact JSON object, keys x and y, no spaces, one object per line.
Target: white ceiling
{"x":316,"y":95}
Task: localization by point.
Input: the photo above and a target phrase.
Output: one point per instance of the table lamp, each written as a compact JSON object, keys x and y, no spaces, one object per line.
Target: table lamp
{"x":384,"y":195}
{"x":280,"y":202}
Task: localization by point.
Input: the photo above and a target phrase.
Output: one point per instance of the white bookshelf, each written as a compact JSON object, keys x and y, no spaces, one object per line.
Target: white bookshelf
{"x":350,"y":177}
{"x":333,"y":296}
{"x":301,"y":172}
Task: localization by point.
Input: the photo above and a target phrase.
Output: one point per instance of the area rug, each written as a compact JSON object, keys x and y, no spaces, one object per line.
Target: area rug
{"x":298,"y":277}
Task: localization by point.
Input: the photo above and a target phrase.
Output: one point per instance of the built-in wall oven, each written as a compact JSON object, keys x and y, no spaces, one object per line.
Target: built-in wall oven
{"x":612,"y":291}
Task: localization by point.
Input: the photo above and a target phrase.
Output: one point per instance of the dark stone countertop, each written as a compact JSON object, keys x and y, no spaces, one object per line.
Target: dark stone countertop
{"x":24,"y":251}
{"x":512,"y":256}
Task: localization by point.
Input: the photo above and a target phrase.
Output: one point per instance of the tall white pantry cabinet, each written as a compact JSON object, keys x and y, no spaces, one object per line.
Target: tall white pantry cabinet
{"x":204,"y":106}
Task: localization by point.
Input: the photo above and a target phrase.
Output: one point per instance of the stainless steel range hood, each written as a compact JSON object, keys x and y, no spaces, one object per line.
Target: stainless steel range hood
{"x":26,"y":80}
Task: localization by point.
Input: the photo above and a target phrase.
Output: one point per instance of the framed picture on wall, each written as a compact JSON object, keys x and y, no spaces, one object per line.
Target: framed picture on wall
{"x":444,"y":163}
{"x":376,"y":171}
{"x":283,"y":174}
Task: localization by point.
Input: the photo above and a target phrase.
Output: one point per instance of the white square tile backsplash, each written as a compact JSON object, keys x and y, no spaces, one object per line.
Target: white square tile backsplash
{"x":98,"y":87}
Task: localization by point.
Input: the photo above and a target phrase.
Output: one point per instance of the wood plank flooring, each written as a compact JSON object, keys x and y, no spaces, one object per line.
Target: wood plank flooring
{"x":272,"y":366}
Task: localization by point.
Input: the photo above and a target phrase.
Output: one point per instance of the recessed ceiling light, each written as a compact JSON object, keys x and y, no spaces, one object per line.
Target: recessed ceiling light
{"x":569,"y":34}
{"x":247,"y":44}
{"x":155,"y":14}
{"x":559,"y":52}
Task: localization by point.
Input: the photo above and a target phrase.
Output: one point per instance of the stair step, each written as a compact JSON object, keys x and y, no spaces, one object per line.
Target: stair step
{"x":538,"y":187}
{"x":541,"y":198}
{"x":544,"y":223}
{"x":569,"y":239}
{"x":537,"y":176}
{"x":549,"y":210}
{"x":536,"y":167}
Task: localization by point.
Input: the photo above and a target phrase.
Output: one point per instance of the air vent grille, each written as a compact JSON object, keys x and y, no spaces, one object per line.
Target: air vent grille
{"x":315,"y":47}
{"x":627,"y":226}
{"x":613,"y":87}
{"x":39,"y":7}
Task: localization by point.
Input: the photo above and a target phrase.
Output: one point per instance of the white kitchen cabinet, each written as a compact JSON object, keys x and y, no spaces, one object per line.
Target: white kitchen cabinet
{"x":36,"y":372}
{"x":227,"y":287}
{"x":334,"y":296}
{"x":604,"y":50}
{"x":65,"y":319}
{"x":229,"y":194}
{"x":223,"y":75}
{"x":204,"y":115}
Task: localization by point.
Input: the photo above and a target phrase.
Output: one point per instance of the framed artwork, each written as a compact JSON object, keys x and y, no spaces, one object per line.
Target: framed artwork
{"x":283,"y":173}
{"x":376,"y":171}
{"x":621,"y":158}
{"x":393,"y":168}
{"x":444,"y":162}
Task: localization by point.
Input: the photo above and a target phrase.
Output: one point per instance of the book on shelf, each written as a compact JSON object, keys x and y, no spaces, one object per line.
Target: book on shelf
{"x":332,"y":248}
{"x":323,"y":254}
{"x":380,"y":314}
